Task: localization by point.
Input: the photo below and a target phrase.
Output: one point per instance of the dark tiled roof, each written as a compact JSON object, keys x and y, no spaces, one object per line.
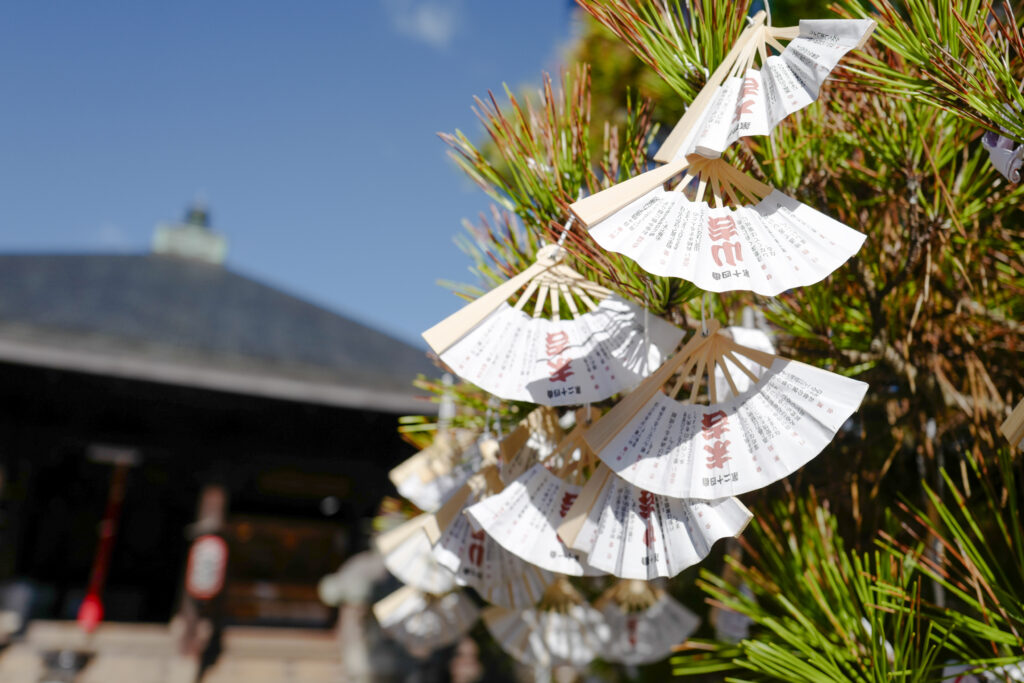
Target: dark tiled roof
{"x":194,"y":316}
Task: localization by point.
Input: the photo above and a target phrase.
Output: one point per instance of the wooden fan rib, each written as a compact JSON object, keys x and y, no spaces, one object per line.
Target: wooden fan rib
{"x":577,"y":514}
{"x":760,"y":357}
{"x":388,"y":541}
{"x":570,"y":301}
{"x":527,"y":294}
{"x":596,"y":207}
{"x":726,"y":373}
{"x":443,"y":335}
{"x":782,"y":32}
{"x":444,"y":517}
{"x":746,"y":371}
{"x":542,"y":297}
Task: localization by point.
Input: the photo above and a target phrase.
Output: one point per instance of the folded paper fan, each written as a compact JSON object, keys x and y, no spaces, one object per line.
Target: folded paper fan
{"x":424,"y":623}
{"x":818,"y":41}
{"x":433,"y":474}
{"x":739,"y":444}
{"x":500,"y":577}
{"x":604,"y":349}
{"x":745,"y":101}
{"x":408,"y":556}
{"x":767,"y":243}
{"x":645,"y":623}
{"x":524,"y":518}
{"x":563,"y":630}
{"x":532,"y":441}
{"x":636,"y":534}
{"x":475,"y":559}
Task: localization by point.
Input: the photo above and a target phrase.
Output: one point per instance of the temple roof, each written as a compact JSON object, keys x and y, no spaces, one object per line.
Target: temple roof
{"x":184,"y":321}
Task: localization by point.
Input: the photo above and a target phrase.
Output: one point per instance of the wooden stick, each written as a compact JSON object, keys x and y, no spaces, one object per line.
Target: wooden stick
{"x":742,"y":366}
{"x":441,"y":336}
{"x":541,"y":300}
{"x":384,"y":608}
{"x":760,"y":357}
{"x":725,"y":371}
{"x":577,"y":514}
{"x":569,"y":301}
{"x":386,"y":542}
{"x":1013,"y":428}
{"x":527,"y":293}
{"x":783,"y":32}
{"x":591,"y":210}
{"x":443,"y":518}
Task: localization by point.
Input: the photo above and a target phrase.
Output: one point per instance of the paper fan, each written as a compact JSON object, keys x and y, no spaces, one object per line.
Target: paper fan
{"x":524,"y":517}
{"x":532,"y":441}
{"x":604,"y":349}
{"x":740,"y":101}
{"x":636,"y":534}
{"x":815,"y":42}
{"x":563,"y":630}
{"x":408,"y":556}
{"x":742,"y":443}
{"x":767,"y":243}
{"x":422,"y":622}
{"x":497,"y":575}
{"x":644,"y":623}
{"x":433,"y":474}
{"x":474,"y":558}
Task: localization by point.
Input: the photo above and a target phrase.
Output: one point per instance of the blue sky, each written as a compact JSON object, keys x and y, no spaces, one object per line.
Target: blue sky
{"x":309,"y":127}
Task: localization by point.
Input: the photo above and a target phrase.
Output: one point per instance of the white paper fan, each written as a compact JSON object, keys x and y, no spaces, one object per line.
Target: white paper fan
{"x":739,"y":444}
{"x":477,"y":561}
{"x":644,"y":623}
{"x":497,"y":575}
{"x":563,"y":632}
{"x":433,"y":474}
{"x":408,"y":556}
{"x":532,"y":441}
{"x":424,"y":623}
{"x":594,"y":208}
{"x":753,"y":101}
{"x":524,"y":519}
{"x":602,"y":350}
{"x":635,"y":534}
{"x":769,"y":245}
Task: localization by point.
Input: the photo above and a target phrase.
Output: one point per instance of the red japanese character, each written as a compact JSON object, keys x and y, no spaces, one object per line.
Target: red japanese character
{"x":646,"y":504}
{"x":561,"y":371}
{"x":721,"y":228}
{"x":555,"y":343}
{"x":749,"y":87}
{"x":567,"y":500}
{"x":714,"y":425}
{"x":718,"y":456}
{"x":733,"y":253}
{"x":744,"y":108}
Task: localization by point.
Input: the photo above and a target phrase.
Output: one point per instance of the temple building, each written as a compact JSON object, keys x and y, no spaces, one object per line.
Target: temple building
{"x":149,"y":395}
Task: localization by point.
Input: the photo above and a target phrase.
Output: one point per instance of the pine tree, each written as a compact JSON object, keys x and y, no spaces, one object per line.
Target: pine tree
{"x":901,"y":547}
